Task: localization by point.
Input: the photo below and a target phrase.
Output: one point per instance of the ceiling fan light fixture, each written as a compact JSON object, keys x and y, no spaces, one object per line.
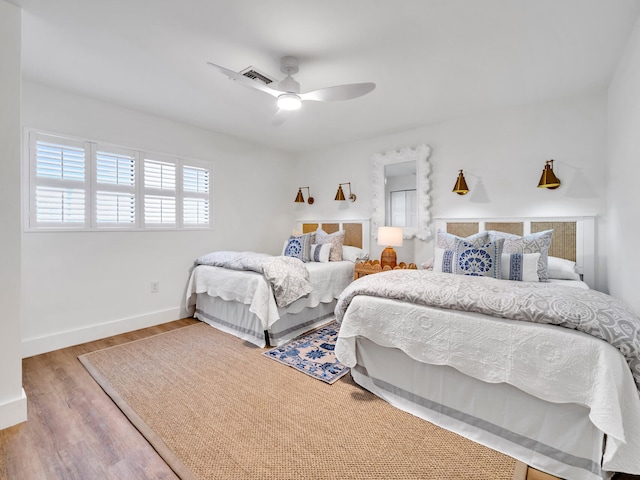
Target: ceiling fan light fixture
{"x":289,"y":101}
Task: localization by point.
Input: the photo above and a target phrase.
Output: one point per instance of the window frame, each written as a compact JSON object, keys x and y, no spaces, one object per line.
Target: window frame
{"x":91,"y":187}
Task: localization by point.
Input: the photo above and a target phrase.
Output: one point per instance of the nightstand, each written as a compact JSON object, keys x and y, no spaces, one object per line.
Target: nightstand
{"x":373,"y":266}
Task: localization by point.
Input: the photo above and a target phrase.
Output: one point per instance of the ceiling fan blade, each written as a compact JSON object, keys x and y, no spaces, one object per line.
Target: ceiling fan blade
{"x":247,"y":82}
{"x":339,"y":92}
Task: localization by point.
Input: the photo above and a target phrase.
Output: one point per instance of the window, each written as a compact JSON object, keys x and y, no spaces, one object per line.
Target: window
{"x":159,"y":192}
{"x":195,"y":188}
{"x":83,"y":185}
{"x":60,"y":183}
{"x":115,"y":187}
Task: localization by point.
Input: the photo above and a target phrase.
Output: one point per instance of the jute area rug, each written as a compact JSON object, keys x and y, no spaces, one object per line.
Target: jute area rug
{"x":216,"y":408}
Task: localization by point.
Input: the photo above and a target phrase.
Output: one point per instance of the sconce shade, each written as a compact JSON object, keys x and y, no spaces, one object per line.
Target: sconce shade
{"x":548,"y":178}
{"x":340,"y":194}
{"x":391,"y":237}
{"x":461,"y":187}
{"x":300,"y":197}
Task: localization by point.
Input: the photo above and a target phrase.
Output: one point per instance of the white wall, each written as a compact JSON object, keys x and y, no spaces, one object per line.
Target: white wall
{"x":81,"y":286}
{"x":623,"y":174}
{"x":502,"y":154}
{"x":13,"y":405}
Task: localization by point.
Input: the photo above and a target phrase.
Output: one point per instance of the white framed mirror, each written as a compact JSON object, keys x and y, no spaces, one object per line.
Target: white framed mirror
{"x":400,"y":191}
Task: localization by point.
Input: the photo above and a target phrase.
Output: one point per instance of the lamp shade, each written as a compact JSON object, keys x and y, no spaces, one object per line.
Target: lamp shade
{"x":339,"y":194}
{"x":299,"y":197}
{"x":390,"y":236}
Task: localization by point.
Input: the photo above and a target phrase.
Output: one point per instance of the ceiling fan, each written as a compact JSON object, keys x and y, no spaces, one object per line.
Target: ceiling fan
{"x":287,"y":91}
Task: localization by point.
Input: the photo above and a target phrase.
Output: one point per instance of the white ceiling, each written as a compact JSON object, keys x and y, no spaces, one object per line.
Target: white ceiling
{"x":431,"y":59}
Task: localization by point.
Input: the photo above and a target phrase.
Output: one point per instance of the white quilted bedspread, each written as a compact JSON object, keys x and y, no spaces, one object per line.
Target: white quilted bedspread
{"x":552,"y":363}
{"x":327,"y":280}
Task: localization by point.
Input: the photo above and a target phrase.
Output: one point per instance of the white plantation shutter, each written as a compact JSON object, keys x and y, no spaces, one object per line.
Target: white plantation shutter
{"x":76,"y":184}
{"x":58,"y":179}
{"x":195,"y":191}
{"x":60,"y":205}
{"x":159,"y":192}
{"x":115,"y":200}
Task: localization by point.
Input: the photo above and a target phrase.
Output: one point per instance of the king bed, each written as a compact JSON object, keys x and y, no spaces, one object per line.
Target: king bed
{"x":557,"y":391}
{"x":246,"y":304}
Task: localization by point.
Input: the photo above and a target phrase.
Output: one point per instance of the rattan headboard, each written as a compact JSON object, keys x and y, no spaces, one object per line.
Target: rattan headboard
{"x":357,"y":232}
{"x":573,"y":237}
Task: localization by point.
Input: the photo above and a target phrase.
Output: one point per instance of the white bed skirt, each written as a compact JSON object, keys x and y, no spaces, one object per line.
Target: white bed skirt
{"x":247,"y":326}
{"x":479,"y":411}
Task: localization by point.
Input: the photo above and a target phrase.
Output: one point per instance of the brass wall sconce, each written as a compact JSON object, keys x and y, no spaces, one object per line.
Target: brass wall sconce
{"x":300,"y":198}
{"x":548,"y":178}
{"x":461,"y":187}
{"x":340,"y":195}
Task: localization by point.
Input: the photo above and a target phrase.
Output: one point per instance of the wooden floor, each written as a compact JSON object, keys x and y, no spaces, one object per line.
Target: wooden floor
{"x":75,"y":431}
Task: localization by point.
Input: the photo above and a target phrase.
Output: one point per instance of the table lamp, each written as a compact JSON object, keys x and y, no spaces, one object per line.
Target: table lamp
{"x":391,"y":237}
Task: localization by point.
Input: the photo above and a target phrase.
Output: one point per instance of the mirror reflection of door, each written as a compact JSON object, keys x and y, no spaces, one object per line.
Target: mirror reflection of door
{"x":400,"y":194}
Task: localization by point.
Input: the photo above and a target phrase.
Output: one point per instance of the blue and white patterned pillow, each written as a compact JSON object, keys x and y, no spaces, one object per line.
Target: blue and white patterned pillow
{"x":470,"y":259}
{"x":299,"y":246}
{"x":478,"y":260}
{"x":320,"y":252}
{"x":534,"y":243}
{"x":521,"y":267}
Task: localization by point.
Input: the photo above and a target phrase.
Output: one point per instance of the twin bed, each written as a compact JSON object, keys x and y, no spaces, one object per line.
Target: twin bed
{"x":242,"y":302}
{"x":562,"y":400}
{"x":446,"y":348}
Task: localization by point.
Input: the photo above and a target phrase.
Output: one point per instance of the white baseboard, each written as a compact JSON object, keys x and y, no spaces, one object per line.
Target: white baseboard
{"x":13,"y":412}
{"x":48,"y":343}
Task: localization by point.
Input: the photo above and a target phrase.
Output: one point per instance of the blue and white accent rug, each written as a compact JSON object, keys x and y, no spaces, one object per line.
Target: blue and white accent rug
{"x":313,"y":354}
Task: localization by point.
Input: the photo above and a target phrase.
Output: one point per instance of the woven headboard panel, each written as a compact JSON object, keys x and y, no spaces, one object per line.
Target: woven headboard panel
{"x":463,"y":229}
{"x":573,"y":237}
{"x":356,"y":232}
{"x":563,"y":244}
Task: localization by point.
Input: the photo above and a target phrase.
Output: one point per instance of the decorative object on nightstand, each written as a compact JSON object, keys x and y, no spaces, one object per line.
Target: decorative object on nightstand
{"x":391,"y":237}
{"x":373,"y":266}
{"x":461,"y":187}
{"x":548,"y":178}
{"x":300,"y":198}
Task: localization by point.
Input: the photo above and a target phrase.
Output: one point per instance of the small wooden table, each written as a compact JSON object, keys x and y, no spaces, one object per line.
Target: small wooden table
{"x":373,"y":266}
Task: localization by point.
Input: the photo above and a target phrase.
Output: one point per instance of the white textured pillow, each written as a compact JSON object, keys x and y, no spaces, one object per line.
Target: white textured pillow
{"x":336,"y":240}
{"x":353,"y":254}
{"x":320,"y":252}
{"x":448,"y":241}
{"x":561,"y":269}
{"x":521,"y":267}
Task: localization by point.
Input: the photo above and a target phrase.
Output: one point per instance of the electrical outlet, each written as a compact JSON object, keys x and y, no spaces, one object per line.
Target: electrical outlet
{"x":155,"y":287}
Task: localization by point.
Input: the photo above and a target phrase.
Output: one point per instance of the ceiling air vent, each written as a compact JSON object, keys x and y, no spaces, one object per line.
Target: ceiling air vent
{"x":254,"y":74}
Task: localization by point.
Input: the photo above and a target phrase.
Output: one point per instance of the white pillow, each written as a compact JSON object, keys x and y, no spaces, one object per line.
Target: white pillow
{"x":353,"y":254}
{"x":437,"y":260}
{"x":521,"y":267}
{"x":561,"y":269}
{"x":320,"y":252}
